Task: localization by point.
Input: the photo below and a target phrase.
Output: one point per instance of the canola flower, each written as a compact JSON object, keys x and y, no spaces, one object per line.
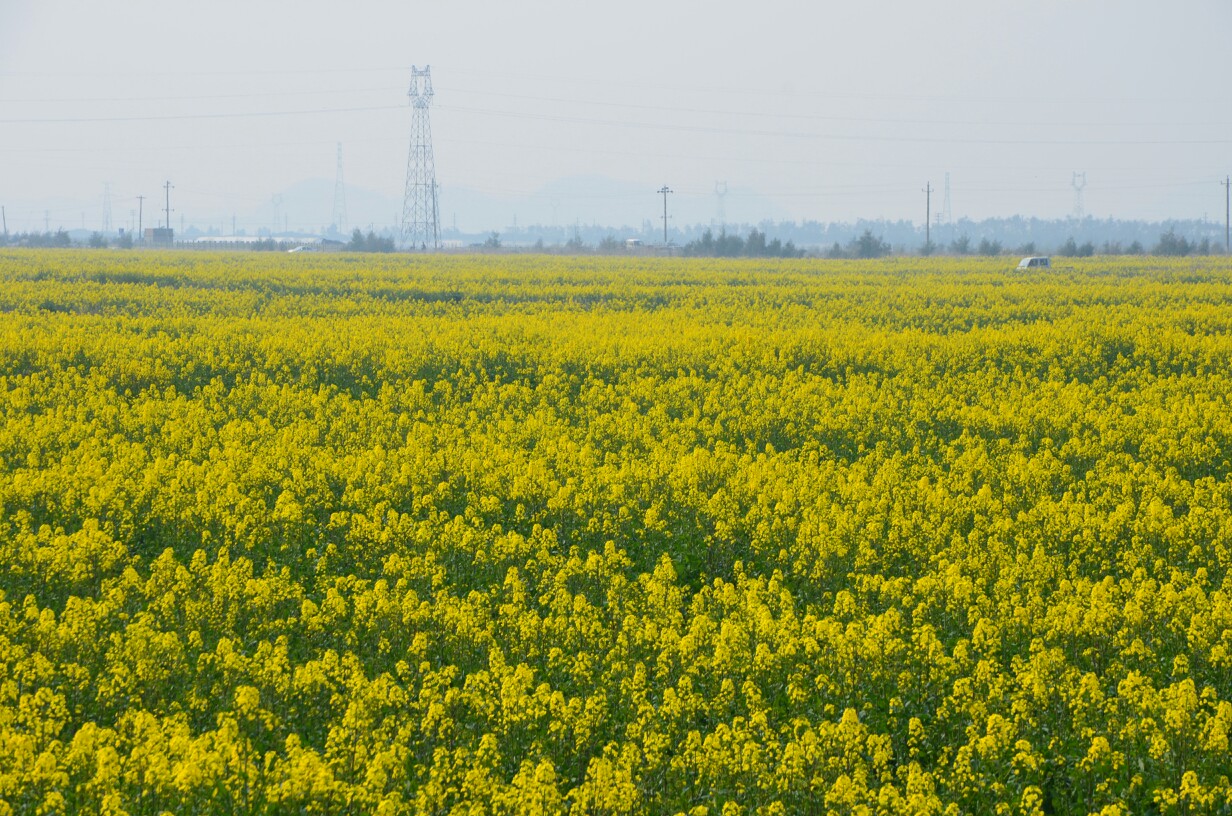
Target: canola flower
{"x":509,"y":535}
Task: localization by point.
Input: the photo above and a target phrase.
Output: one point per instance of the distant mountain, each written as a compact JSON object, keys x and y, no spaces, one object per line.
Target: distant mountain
{"x":592,"y":208}
{"x":595,"y":200}
{"x":570,"y":204}
{"x":310,"y":203}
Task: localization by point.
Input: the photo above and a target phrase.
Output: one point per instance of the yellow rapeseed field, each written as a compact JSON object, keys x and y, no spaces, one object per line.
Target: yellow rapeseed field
{"x":505,"y":535}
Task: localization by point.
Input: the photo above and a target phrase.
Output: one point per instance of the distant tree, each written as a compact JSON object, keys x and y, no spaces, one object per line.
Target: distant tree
{"x":836,"y":251}
{"x":609,"y":245}
{"x":1112,"y":248}
{"x":368,"y":243}
{"x":493,"y":241}
{"x":709,"y":246}
{"x":731,"y":246}
{"x":961,"y":245}
{"x":59,"y":238}
{"x":1027,"y":249}
{"x":868,"y":246}
{"x":125,"y":241}
{"x":755,"y":246}
{"x":988,"y":247}
{"x":1135,"y":248}
{"x":929,"y":248}
{"x":728,"y":246}
{"x":701,"y":247}
{"x":1172,"y":244}
{"x":97,"y":240}
{"x":1072,"y":249}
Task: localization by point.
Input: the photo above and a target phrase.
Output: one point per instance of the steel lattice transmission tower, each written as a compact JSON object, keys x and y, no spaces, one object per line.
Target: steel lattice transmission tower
{"x":1080,"y":181}
{"x":340,"y":212}
{"x":106,"y":228}
{"x":945,"y":204}
{"x":420,"y":212}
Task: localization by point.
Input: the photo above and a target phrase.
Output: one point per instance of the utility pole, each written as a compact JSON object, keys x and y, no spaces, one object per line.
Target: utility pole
{"x":140,"y":218}
{"x":663,"y":192}
{"x":928,"y":216}
{"x":167,"y":190}
{"x":1227,"y":213}
{"x":4,"y":217}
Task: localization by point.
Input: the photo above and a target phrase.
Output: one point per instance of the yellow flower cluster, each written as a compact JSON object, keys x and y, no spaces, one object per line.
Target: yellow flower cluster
{"x":524,"y":535}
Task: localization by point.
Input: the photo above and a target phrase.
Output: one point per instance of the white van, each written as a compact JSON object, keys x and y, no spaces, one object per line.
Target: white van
{"x":1035,"y":262}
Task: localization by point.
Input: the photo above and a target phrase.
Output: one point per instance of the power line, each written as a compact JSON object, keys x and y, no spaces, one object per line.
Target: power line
{"x":189,"y":116}
{"x":572,"y":101}
{"x":1052,"y":123}
{"x":615,"y":123}
{"x":197,"y":97}
{"x":728,"y":90}
{"x":573,"y":148}
{"x":820,"y":136}
{"x":574,"y":79}
{"x":243,"y":73}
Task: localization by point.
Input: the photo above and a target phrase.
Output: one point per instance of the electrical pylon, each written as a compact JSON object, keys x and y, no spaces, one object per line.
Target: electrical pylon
{"x":340,"y":214}
{"x":945,"y":202}
{"x":106,"y":209}
{"x":1079,"y":182}
{"x":420,"y":211}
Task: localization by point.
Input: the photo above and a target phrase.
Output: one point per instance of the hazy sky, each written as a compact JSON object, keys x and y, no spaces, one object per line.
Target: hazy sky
{"x":806,"y":110}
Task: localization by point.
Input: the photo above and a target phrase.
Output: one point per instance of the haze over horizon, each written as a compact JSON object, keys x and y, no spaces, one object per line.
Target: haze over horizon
{"x":560,"y":112}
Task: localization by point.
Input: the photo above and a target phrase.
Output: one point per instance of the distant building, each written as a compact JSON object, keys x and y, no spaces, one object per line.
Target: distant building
{"x":160,"y":236}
